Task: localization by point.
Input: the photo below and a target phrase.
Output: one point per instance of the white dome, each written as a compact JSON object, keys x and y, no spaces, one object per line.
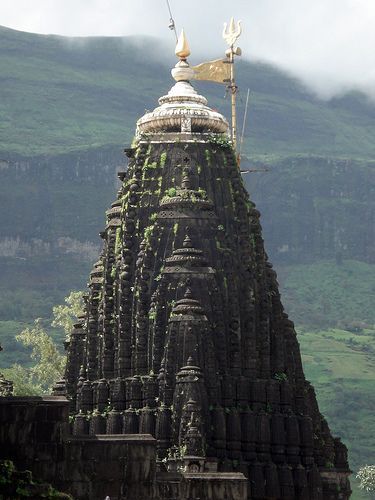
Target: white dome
{"x":182,"y":110}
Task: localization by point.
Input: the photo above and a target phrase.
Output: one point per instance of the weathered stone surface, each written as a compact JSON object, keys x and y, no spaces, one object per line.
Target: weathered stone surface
{"x":34,"y":433}
{"x":214,"y":486}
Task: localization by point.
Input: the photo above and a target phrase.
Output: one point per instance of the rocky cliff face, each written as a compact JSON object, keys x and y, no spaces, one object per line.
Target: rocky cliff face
{"x":313,"y":208}
{"x":51,"y":211}
{"x":317,"y":208}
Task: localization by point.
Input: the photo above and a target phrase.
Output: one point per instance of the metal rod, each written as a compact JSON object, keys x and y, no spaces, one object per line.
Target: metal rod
{"x":244,"y":122}
{"x":172,"y":23}
{"x":233,"y":88}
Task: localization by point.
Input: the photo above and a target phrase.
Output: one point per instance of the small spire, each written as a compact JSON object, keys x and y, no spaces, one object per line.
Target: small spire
{"x":182,"y":47}
{"x":187,"y":243}
{"x":190,"y":362}
{"x":185,"y":182}
{"x":182,"y":70}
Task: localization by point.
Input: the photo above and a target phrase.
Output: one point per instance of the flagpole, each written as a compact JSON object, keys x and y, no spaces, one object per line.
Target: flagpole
{"x":231,"y":33}
{"x":233,"y":88}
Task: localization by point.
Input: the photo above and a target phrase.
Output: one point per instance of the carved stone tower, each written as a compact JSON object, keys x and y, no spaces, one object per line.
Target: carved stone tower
{"x":184,"y":335}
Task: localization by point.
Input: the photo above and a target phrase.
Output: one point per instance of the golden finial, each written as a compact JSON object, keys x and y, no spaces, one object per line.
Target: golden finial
{"x":231,"y":34}
{"x":182,"y":47}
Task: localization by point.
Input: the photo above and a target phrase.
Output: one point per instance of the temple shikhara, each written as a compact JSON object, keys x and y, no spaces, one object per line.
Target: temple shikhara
{"x":185,"y":368}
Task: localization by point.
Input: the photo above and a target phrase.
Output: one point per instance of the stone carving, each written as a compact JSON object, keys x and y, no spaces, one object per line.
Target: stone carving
{"x":185,"y":124}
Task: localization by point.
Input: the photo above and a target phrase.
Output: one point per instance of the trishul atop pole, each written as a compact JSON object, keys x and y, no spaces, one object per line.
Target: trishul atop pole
{"x":219,"y":70}
{"x":230,"y":34}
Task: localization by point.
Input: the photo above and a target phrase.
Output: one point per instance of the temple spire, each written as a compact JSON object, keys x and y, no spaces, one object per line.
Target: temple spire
{"x":204,"y":313}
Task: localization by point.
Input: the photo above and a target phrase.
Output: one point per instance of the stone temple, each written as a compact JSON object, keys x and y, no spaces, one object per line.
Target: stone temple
{"x":184,"y":337}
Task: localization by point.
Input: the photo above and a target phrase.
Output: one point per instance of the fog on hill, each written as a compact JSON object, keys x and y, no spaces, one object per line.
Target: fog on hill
{"x":329,"y":45}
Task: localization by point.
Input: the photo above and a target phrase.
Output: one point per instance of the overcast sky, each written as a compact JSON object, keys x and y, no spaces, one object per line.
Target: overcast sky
{"x":329,"y":44}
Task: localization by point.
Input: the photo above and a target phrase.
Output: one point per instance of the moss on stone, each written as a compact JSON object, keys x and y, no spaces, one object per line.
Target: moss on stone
{"x":163,"y":159}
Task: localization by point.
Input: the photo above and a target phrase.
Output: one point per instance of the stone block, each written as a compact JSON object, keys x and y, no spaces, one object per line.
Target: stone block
{"x":45,"y":469}
{"x":45,"y":432}
{"x":75,"y":471}
{"x":40,"y":413}
{"x":109,"y":471}
{"x":57,"y":412}
{"x":46,"y":451}
{"x":81,"y":490}
{"x":3,"y":414}
{"x":73,"y":451}
{"x":115,"y":451}
{"x":213,"y":486}
{"x":93,"y":449}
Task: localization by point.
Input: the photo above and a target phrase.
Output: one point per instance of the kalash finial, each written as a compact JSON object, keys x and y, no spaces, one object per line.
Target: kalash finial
{"x":182,"y":49}
{"x":182,"y":70}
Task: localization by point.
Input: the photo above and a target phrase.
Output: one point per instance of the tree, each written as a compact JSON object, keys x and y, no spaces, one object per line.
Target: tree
{"x":48,"y":363}
{"x":22,"y":484}
{"x":65,"y":315}
{"x":366,"y":476}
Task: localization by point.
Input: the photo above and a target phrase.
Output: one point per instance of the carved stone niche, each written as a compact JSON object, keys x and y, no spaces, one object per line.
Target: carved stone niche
{"x":193,"y":464}
{"x":186,"y":124}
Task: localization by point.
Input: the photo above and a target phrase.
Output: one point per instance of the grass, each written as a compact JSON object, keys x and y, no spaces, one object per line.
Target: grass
{"x":339,"y":362}
{"x":343,"y":374}
{"x":69,"y":91}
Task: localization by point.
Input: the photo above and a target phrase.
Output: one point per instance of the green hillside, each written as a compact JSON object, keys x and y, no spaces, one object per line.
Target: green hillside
{"x":61,"y":94}
{"x":341,"y":365}
{"x":326,"y":293}
{"x":68,"y":107}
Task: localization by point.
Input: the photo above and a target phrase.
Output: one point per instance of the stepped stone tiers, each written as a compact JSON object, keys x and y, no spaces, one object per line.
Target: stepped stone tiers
{"x":184,"y":336}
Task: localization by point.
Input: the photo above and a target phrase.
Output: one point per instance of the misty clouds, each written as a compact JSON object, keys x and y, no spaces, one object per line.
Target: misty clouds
{"x":329,"y":44}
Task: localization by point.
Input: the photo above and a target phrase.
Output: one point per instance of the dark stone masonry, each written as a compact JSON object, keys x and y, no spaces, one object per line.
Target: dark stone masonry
{"x":184,"y":377}
{"x":35,"y":433}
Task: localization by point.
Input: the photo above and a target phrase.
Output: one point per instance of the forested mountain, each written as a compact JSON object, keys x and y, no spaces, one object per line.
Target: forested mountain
{"x":67,"y":109}
{"x":61,"y":94}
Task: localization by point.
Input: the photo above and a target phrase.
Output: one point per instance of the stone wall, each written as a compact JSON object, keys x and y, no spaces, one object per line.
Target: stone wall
{"x":34,"y":433}
{"x":214,"y":486}
{"x":118,"y":466}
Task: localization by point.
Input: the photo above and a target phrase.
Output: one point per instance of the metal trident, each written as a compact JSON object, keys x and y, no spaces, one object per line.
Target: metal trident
{"x":231,"y":33}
